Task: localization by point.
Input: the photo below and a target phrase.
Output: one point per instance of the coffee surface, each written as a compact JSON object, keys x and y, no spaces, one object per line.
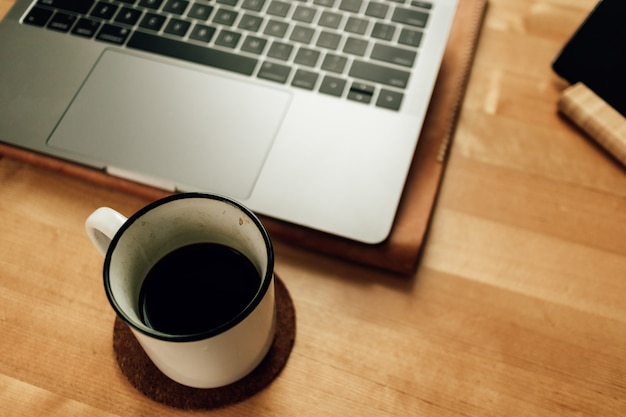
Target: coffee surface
{"x":197,"y":288}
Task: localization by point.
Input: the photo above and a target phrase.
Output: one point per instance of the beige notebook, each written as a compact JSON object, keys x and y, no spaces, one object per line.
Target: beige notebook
{"x":596,"y":118}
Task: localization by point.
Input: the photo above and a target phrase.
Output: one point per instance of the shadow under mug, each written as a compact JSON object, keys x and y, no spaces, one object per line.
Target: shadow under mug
{"x":131,"y":247}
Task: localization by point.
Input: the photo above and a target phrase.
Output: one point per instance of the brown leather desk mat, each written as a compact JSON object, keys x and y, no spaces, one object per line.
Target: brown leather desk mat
{"x":399,"y":253}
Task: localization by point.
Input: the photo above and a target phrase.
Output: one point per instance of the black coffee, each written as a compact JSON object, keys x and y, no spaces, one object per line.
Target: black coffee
{"x":197,"y":288}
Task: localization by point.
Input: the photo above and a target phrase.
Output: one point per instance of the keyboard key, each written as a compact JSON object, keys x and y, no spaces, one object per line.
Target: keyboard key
{"x":410,"y":37}
{"x":393,"y":55}
{"x":152,"y":21}
{"x":76,"y":6}
{"x":104,"y":10}
{"x":280,"y":50}
{"x":128,"y":16}
{"x":202,"y":33}
{"x":274,"y":72}
{"x":302,"y":34}
{"x":176,"y":6}
{"x":177,"y":27}
{"x":151,"y":4}
{"x":255,"y":5}
{"x":379,"y":74}
{"x":228,"y":38}
{"x":422,"y":4}
{"x":356,"y":25}
{"x":351,"y":5}
{"x":304,"y":79}
{"x":38,"y":16}
{"x":328,"y":40}
{"x":276,"y":28}
{"x":193,"y":53}
{"x":304,"y":14}
{"x":86,"y":28}
{"x":378,"y":10}
{"x":308,"y":57}
{"x":113,"y":34}
{"x":356,"y":46}
{"x":333,"y":86}
{"x":62,"y":22}
{"x":330,"y":20}
{"x":383,"y":31}
{"x":228,"y":2}
{"x":389,"y":100}
{"x":327,"y":3}
{"x":361,"y":92}
{"x":334,"y":63}
{"x":254,"y":45}
{"x":410,"y":17}
{"x":200,"y":11}
{"x":278,"y":8}
{"x":250,"y":22}
{"x":225,"y":17}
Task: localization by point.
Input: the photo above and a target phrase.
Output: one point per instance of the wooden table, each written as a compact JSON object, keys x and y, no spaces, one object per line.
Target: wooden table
{"x":518,"y":306}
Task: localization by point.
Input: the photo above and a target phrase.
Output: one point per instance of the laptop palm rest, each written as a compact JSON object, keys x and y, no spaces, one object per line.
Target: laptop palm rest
{"x":169,"y":124}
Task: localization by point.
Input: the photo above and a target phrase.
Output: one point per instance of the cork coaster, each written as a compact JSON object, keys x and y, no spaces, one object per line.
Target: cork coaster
{"x":149,"y":380}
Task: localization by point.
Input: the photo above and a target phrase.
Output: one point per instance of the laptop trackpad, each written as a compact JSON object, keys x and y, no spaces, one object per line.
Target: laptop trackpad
{"x":183,"y":127}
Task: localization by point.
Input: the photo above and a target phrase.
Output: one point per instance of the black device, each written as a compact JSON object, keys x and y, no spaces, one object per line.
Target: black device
{"x":596,"y":54}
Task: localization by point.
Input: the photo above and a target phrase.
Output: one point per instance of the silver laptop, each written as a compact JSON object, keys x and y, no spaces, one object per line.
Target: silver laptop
{"x":306,"y":111}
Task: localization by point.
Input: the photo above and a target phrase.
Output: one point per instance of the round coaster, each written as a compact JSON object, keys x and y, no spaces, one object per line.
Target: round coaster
{"x":150,"y":381}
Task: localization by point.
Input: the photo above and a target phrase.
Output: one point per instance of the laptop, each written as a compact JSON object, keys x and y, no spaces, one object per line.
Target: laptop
{"x":305,"y":111}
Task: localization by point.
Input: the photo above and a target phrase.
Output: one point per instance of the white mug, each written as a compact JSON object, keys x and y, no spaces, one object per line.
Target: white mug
{"x":207,"y":358}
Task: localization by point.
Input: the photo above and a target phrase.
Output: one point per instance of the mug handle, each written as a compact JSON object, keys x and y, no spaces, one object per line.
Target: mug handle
{"x":101,"y":226}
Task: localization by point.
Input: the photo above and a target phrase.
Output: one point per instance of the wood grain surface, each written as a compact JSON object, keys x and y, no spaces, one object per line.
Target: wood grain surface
{"x":517,"y":308}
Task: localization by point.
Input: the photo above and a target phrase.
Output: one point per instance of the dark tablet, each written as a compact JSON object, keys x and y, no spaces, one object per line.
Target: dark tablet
{"x":596,"y":54}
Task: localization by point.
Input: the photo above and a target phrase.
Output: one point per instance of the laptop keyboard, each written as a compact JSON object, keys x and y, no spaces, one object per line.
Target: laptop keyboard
{"x":361,"y":50}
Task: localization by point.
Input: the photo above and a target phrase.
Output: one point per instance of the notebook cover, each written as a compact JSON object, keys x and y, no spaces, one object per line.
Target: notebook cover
{"x":400,"y":252}
{"x":595,"y":117}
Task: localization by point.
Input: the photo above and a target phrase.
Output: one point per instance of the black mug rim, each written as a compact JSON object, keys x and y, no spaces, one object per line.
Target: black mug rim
{"x":267,"y":279}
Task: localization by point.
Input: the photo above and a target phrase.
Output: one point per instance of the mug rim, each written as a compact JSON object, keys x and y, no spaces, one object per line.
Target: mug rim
{"x":222,"y":328}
